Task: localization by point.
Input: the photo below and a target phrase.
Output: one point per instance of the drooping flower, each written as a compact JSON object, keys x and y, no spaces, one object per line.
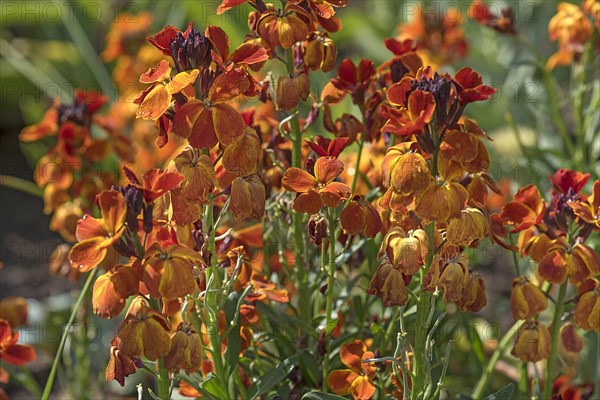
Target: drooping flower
{"x":472,"y":225}
{"x":283,"y":27}
{"x":120,"y":365}
{"x":527,"y":299}
{"x":186,"y":350}
{"x":532,"y":342}
{"x":389,"y":283}
{"x":199,"y":175}
{"x":359,"y":216}
{"x":319,"y":189}
{"x":587,"y":310}
{"x":144,"y":332}
{"x":405,"y":170}
{"x":175,"y":264}
{"x":320,"y":52}
{"x":407,"y":252}
{"x":473,"y":295}
{"x":357,"y":380}
{"x":248,"y":196}
{"x":442,"y":201}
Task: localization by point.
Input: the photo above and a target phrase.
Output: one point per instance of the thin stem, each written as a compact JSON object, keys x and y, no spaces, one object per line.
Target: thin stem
{"x":164,"y":383}
{"x":330,"y":284}
{"x":63,"y":339}
{"x":486,"y":376}
{"x":424,"y":306}
{"x":361,"y":144}
{"x":558,"y":310}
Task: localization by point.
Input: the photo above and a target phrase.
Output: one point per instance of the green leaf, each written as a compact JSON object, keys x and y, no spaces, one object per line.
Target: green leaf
{"x":315,"y":395}
{"x":503,"y":394}
{"x":266,"y":382}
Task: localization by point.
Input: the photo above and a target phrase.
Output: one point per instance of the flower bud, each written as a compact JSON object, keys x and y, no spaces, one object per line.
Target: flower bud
{"x":317,"y":228}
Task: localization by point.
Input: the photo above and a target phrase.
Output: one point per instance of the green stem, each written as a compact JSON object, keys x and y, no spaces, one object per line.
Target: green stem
{"x":164,"y":383}
{"x":424,"y":308}
{"x":21,"y":185}
{"x":330,"y":290}
{"x":485,"y":377}
{"x":558,"y":311}
{"x":63,"y":339}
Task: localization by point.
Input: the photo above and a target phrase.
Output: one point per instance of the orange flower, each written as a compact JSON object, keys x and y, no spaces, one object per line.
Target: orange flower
{"x":290,"y":90}
{"x":467,"y":230}
{"x":411,"y":118}
{"x":449,"y":276}
{"x":532,"y":343}
{"x":211,"y":121}
{"x":176,"y":265}
{"x":11,"y":352}
{"x":144,"y":332}
{"x":587,"y":310}
{"x":359,"y":216}
{"x":248,"y":196}
{"x":581,"y":263}
{"x":405,"y":170}
{"x":320,"y":52}
{"x":442,"y":201}
{"x":589,"y":211}
{"x":527,"y":299}
{"x":572,"y":29}
{"x":526,"y":209}
{"x":95,"y":235}
{"x":112,"y":289}
{"x":199,"y":175}
{"x":405,"y":251}
{"x":283,"y":27}
{"x":155,"y":101}
{"x":318,"y":190}
{"x":243,"y":156}
{"x":389,"y":283}
{"x":14,"y":310}
{"x":358,"y":378}
{"x":473,"y":295}
{"x":324,"y":147}
{"x":154,"y":183}
{"x":186,"y":350}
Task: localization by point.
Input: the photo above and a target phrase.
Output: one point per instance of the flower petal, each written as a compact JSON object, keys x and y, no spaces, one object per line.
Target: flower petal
{"x":298,"y":180}
{"x":228,"y":124}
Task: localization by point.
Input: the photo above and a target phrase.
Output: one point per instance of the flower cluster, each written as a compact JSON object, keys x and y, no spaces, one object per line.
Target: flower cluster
{"x":553,"y":235}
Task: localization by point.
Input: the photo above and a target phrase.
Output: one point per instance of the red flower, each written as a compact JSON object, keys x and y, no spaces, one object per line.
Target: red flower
{"x":565,"y":180}
{"x":11,"y":352}
{"x":328,"y":147}
{"x":470,"y":87}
